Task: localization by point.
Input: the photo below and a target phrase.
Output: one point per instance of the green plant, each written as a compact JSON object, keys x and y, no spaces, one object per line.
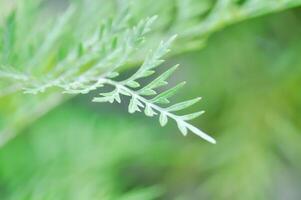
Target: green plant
{"x":249,"y":74}
{"x":77,"y":56}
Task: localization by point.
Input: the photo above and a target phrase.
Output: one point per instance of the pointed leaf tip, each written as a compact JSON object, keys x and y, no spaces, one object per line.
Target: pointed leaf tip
{"x":182,"y":128}
{"x":163,"y":119}
{"x":192,"y":115}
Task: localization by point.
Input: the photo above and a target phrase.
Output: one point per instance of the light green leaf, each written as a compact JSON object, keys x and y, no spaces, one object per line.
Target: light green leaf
{"x":192,"y":116}
{"x":183,"y":105}
{"x":134,"y":105}
{"x":182,"y":128}
{"x":133,"y":84}
{"x":160,"y":81}
{"x":163,"y":119}
{"x":147,"y":73}
{"x":102,"y":99}
{"x":113,"y":75}
{"x":147,"y":92}
{"x":149,"y":111}
{"x":162,"y":98}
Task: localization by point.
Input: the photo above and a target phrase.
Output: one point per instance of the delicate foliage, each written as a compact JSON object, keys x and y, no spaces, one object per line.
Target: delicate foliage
{"x":63,"y":50}
{"x":138,"y":102}
{"x":92,"y":44}
{"x":98,"y":61}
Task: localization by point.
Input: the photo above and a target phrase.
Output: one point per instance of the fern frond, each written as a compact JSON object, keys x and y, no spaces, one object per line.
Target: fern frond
{"x":139,"y":101}
{"x":131,"y":87}
{"x":106,"y":50}
{"x":67,"y":52}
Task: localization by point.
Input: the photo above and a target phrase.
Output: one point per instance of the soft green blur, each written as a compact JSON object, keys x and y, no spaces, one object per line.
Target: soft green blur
{"x":249,"y":76}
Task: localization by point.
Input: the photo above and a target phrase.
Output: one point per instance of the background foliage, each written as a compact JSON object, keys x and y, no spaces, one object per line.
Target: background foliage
{"x":248,"y":74}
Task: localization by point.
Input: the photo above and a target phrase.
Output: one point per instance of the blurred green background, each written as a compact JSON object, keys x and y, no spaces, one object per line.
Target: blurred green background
{"x":249,"y":75}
